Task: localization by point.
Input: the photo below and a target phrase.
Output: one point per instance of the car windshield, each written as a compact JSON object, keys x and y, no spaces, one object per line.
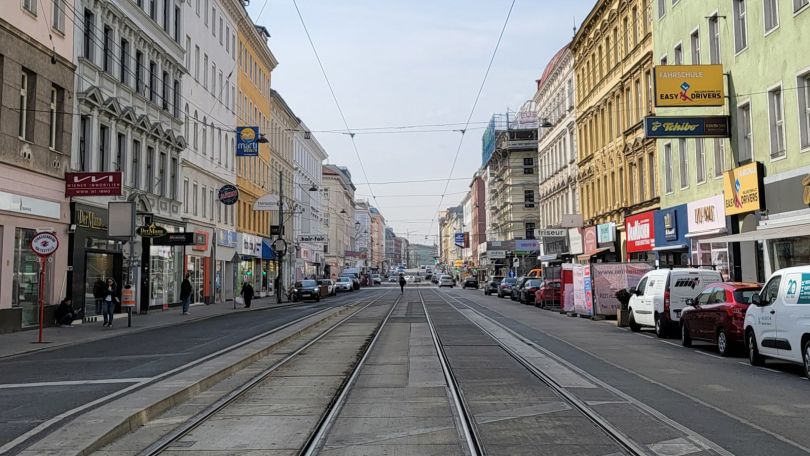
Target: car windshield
{"x":309,"y":283}
{"x":744,"y":295}
{"x":344,"y":279}
{"x":532,"y":283}
{"x":509,"y":281}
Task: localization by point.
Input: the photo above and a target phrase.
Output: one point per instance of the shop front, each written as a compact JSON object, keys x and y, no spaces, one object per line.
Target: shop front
{"x":640,"y":237}
{"x":706,"y":220}
{"x":671,"y":243}
{"x":94,"y":257}
{"x":592,"y":252}
{"x":224,"y":267}
{"x":250,"y":266}
{"x":269,"y":268}
{"x":199,"y":264}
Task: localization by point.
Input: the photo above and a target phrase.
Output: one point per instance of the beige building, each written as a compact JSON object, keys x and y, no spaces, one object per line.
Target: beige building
{"x":613,"y":61}
{"x":450,"y":223}
{"x":337,"y":200}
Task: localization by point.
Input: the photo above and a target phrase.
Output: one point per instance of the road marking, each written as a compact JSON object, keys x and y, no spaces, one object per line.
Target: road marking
{"x":671,"y":343}
{"x":707,"y":354}
{"x":75,"y":382}
{"x":674,"y":447}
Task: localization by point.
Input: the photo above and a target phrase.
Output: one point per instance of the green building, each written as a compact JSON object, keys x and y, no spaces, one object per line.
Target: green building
{"x":738,"y":203}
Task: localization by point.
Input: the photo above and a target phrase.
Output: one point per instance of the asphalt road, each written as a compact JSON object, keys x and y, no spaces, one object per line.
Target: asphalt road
{"x":120,"y":361}
{"x":743,"y":409}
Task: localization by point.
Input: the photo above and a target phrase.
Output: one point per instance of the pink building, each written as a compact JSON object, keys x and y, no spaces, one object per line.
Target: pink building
{"x":478,"y":229}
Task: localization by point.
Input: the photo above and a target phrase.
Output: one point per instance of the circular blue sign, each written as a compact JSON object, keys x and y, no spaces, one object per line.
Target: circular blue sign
{"x":228,"y":194}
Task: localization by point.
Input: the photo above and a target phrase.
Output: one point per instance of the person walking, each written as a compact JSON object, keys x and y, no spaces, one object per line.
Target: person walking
{"x":402,"y":283}
{"x":247,"y":294}
{"x":185,"y":293}
{"x":108,"y":302}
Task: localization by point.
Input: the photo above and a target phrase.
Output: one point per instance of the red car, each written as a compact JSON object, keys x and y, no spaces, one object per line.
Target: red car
{"x":717,"y":315}
{"x":548,"y":294}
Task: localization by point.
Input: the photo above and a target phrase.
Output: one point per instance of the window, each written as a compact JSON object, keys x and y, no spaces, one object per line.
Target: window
{"x":803,"y":82}
{"x":771,"y":14}
{"x":770,"y":291}
{"x":695,"y":41}
{"x":166,"y":10}
{"x":204,"y":201}
{"x":165,"y":91}
{"x":196,"y":63}
{"x":662,"y":8}
{"x":185,"y":194}
{"x":635,"y":27}
{"x":108,"y":49}
{"x":777,"y":123}
{"x":626,"y":38}
{"x":616,"y":45}
{"x":799,"y":4}
{"x":528,"y":198}
{"x":684,"y":163}
{"x":152,"y":81}
{"x":719,"y":157}
{"x":639,"y":102}
{"x":150,"y":169}
{"x":740,"y":25}
{"x":26,"y":118}
{"x":213,"y":28}
{"x":103,"y":147}
{"x":124,"y":63}
{"x":84,"y":143}
{"x":87,"y":37}
{"x":211,"y":202}
{"x":176,"y":98}
{"x":120,"y":151}
{"x":668,"y":168}
{"x":529,"y":230}
{"x":714,"y":40}
{"x":162,"y":174}
{"x":52,"y":118}
{"x":700,"y":161}
{"x":136,"y":164}
{"x":678,"y":54}
{"x":58,"y":20}
{"x":139,"y":72}
{"x":153,"y":10}
{"x":641,"y":186}
{"x":30,"y":6}
{"x":177,"y":24}
{"x":745,"y":147}
{"x":194,"y":196}
{"x":651,"y":165}
{"x":205,"y":71}
{"x":220,"y":30}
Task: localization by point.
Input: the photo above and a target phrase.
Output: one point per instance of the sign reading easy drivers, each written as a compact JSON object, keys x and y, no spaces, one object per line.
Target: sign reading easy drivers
{"x":687,"y":127}
{"x":247,"y":141}
{"x":689,"y":85}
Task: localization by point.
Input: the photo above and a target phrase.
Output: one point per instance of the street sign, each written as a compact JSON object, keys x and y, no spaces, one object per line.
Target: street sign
{"x":516,"y":262}
{"x":93,"y":184}
{"x":312,"y":238}
{"x":247,"y":141}
{"x":459,"y":240}
{"x":151,"y":231}
{"x":687,"y":127}
{"x":280,"y":247}
{"x":228,"y":194}
{"x":171,"y":239}
{"x":44,"y":244}
{"x":496,"y":254}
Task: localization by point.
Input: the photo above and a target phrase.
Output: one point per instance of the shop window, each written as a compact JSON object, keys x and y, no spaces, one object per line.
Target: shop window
{"x":26,"y":269}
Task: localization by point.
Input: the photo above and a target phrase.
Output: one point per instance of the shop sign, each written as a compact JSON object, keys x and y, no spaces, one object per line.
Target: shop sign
{"x":496,"y":254}
{"x":687,"y":127}
{"x":151,"y":231}
{"x":552,"y":233}
{"x":787,"y":194}
{"x":706,"y":215}
{"x":87,"y":218}
{"x":29,"y":206}
{"x":44,"y":244}
{"x":226,"y":238}
{"x":459,"y":240}
{"x":670,"y":225}
{"x":312,"y":238}
{"x":200,"y":241}
{"x":247,"y":141}
{"x":526,"y":245}
{"x":458,"y":263}
{"x":228,"y":194}
{"x":93,"y":184}
{"x":175,"y":239}
{"x":575,"y":241}
{"x":689,"y":85}
{"x":250,"y":245}
{"x":555,"y":245}
{"x":590,"y":240}
{"x":742,"y":189}
{"x":606,"y":233}
{"x":640,"y":232}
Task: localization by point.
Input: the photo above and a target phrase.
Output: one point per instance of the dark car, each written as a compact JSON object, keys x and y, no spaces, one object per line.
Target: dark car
{"x":717,"y":315}
{"x":306,"y":289}
{"x":505,"y":288}
{"x":470,"y":282}
{"x":517,"y":288}
{"x":491,"y":285}
{"x":549,"y":294}
{"x":527,"y":291}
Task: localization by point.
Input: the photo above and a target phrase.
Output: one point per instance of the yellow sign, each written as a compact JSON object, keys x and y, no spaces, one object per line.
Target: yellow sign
{"x":459,"y":263}
{"x":689,"y":85}
{"x":741,"y":190}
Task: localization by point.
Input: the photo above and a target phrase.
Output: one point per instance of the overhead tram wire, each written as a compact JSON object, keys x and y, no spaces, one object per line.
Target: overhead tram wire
{"x":472,"y":110}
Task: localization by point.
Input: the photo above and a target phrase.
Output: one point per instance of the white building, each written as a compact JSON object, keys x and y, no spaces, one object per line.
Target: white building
{"x":308,"y":158}
{"x":337,"y":195}
{"x":209,"y":105}
{"x":130,"y":62}
{"x":361,"y":236}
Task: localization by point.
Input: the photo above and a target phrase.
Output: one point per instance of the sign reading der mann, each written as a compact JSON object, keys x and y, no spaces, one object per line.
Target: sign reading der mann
{"x":689,"y":85}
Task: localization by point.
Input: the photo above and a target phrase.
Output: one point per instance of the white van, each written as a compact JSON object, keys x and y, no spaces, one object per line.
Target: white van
{"x":661,"y":294}
{"x":777,"y":323}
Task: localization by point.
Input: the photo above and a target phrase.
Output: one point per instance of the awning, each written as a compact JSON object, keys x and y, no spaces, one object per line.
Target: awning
{"x":665,"y":248}
{"x":600,"y":250}
{"x":706,"y":233}
{"x":767,"y":233}
{"x":267,"y":250}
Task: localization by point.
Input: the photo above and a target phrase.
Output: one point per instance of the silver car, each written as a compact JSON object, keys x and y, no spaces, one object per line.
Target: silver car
{"x":344,"y":284}
{"x":446,"y":281}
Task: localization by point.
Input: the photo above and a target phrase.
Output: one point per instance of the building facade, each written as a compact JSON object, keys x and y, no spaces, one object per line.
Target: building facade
{"x":362,"y":233}
{"x":450,"y":223}
{"x":308,"y":158}
{"x":35,"y":134}
{"x":617,"y":166}
{"x":478,"y":227}
{"x":377,"y":256}
{"x":337,"y":198}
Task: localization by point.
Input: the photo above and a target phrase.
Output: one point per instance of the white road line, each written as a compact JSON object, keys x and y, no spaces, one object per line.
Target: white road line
{"x":671,"y":343}
{"x":75,"y":382}
{"x":707,"y":354}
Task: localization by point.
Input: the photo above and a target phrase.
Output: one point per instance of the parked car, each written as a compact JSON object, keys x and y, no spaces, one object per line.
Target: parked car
{"x":434,"y":279}
{"x":392,"y":278}
{"x":661,"y":295}
{"x":717,"y":315}
{"x":505,"y":288}
{"x":527,"y":291}
{"x":470,"y":282}
{"x":491,"y":286}
{"x":417,"y":279}
{"x":331,"y":290}
{"x":549,"y":293}
{"x":344,"y":284}
{"x":516,"y":288}
{"x":446,"y":281}
{"x":376,"y":279}
{"x":306,"y":289}
{"x":777,"y":323}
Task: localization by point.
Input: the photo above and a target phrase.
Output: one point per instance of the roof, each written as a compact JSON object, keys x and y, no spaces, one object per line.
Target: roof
{"x":551,"y":65}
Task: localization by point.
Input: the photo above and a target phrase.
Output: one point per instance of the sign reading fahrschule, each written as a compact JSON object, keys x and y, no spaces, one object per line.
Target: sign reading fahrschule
{"x":687,"y":127}
{"x":689,"y":85}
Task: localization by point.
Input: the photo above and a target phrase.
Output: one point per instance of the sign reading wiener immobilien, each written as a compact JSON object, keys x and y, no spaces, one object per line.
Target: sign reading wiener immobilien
{"x":93,"y":184}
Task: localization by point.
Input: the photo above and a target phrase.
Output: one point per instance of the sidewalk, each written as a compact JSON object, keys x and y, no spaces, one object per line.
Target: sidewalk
{"x":25,"y":341}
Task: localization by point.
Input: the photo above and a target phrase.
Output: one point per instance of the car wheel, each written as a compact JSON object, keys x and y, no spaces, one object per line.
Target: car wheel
{"x":753,"y":352}
{"x":806,"y":356}
{"x":723,"y":345}
{"x":635,"y":327}
{"x":686,"y":339}
{"x":660,"y":329}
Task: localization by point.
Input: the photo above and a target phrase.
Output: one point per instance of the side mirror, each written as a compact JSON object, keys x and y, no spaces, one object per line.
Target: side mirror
{"x":690,"y":302}
{"x":756,"y":299}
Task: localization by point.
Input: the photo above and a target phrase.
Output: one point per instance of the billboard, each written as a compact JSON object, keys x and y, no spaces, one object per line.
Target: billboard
{"x":608,"y":278}
{"x":689,"y":85}
{"x":640,"y":229}
{"x":742,"y":189}
{"x":582,"y":295}
{"x":247,"y":141}
{"x":93,"y":184}
{"x":687,"y":127}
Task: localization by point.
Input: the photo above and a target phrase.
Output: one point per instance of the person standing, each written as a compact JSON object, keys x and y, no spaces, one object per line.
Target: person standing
{"x":99,"y":290}
{"x":247,"y":293}
{"x":108,"y":302}
{"x":402,"y":283}
{"x":185,"y":293}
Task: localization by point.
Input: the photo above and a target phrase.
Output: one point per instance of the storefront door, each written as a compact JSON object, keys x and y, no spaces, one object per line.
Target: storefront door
{"x":196,"y":272}
{"x":25,"y":288}
{"x":98,"y":268}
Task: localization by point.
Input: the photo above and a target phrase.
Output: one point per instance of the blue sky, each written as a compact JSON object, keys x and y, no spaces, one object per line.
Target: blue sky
{"x":395,"y":63}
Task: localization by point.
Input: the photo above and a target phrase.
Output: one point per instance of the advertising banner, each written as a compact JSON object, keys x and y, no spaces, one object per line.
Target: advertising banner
{"x":608,"y":278}
{"x":247,"y":141}
{"x":742,"y":189}
{"x":93,"y":184}
{"x":459,"y":240}
{"x":687,"y":127}
{"x":583,"y":304}
{"x":689,"y":85}
{"x":606,"y":233}
{"x":575,"y":241}
{"x":590,"y":241}
{"x":640,"y":232}
{"x":706,"y":215}
{"x":527,"y":245}
{"x":567,"y":287}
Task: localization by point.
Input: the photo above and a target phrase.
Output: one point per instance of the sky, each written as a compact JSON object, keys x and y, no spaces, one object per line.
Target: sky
{"x":403,"y":63}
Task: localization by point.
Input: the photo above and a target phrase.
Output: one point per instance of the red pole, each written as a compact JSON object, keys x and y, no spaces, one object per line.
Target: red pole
{"x":42,"y":261}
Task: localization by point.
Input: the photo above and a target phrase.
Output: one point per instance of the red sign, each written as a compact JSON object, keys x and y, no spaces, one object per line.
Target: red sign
{"x":640,"y":232}
{"x":44,"y":244}
{"x":93,"y":184}
{"x":200,"y":240}
{"x":589,"y":240}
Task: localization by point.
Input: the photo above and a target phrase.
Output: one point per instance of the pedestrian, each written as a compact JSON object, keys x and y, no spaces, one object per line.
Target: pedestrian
{"x":247,"y":293}
{"x":402,"y":283}
{"x":108,"y":303}
{"x":64,"y":313}
{"x":99,"y":290}
{"x":185,"y":293}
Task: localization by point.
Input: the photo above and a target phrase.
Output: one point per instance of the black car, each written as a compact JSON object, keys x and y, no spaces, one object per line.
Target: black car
{"x":517,"y":288}
{"x":306,"y":289}
{"x":505,"y":288}
{"x":470,"y":282}
{"x":528,"y":289}
{"x":492,"y":285}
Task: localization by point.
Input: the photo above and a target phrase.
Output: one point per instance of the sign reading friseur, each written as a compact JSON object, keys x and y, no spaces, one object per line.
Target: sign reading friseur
{"x":689,"y":85}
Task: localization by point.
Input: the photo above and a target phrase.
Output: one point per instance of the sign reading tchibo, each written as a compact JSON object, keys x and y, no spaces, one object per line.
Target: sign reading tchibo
{"x":689,"y":85}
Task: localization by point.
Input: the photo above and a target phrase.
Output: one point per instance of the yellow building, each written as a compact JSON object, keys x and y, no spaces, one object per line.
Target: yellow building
{"x":255,"y":64}
{"x":613,"y":60}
